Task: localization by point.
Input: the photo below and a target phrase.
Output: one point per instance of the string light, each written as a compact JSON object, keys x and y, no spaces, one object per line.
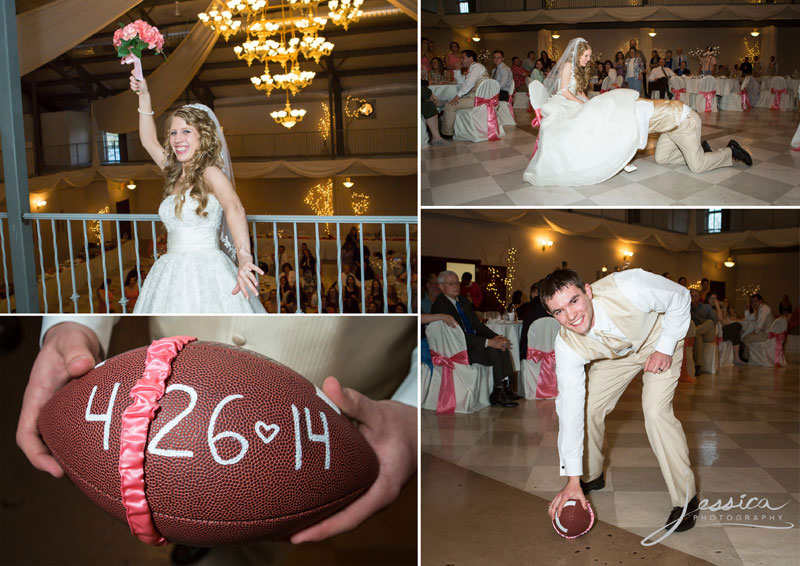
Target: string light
{"x":95,"y":227}
{"x":320,"y":199}
{"x":749,"y":289}
{"x":360,"y":203}
{"x":751,"y":52}
{"x":511,"y":269}
{"x":353,"y":105}
{"x":325,"y":122}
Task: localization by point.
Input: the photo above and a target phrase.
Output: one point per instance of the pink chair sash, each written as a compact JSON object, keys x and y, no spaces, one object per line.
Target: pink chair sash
{"x":602,"y":91}
{"x":776,"y":104}
{"x":746,"y":104}
{"x":446,"y":403}
{"x":547,"y":386}
{"x":709,"y":96}
{"x":492,"y":124}
{"x":511,"y":103}
{"x":676,"y":92}
{"x":779,"y":338}
{"x":536,"y":123}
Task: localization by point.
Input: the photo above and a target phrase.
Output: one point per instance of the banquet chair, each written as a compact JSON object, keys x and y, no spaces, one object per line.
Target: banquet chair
{"x":753,"y":90}
{"x":472,"y":384}
{"x":770,"y":352}
{"x":725,"y":349}
{"x":765,"y":97}
{"x":505,"y":112}
{"x":538,"y":379}
{"x":796,"y":138}
{"x":710,"y":361}
{"x":706,"y":98}
{"x":782,"y":97}
{"x":521,"y":97}
{"x":538,"y":96}
{"x":607,"y":85}
{"x":619,"y":81}
{"x":473,"y":124}
{"x":424,"y":138}
{"x":735,"y":101}
{"x":677,"y":86}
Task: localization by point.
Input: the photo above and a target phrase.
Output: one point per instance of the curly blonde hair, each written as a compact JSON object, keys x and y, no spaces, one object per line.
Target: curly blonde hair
{"x":209,"y":153}
{"x":582,"y":74}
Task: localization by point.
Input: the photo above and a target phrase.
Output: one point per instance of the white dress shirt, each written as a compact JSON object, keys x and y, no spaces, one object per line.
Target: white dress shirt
{"x":644,"y":111}
{"x":476,"y":71}
{"x":647,"y":292}
{"x":760,"y":317}
{"x":502,"y":74}
{"x":659,"y":73}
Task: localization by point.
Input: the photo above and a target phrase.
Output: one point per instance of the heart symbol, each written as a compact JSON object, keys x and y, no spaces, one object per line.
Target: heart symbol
{"x":272,"y":429}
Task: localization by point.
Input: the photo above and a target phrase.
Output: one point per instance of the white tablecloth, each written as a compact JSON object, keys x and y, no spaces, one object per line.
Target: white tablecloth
{"x":512,"y":331}
{"x":724,"y":86}
{"x":444,"y":93}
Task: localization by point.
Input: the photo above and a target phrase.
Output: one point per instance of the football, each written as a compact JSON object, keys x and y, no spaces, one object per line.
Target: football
{"x":239,"y":447}
{"x":574,"y":521}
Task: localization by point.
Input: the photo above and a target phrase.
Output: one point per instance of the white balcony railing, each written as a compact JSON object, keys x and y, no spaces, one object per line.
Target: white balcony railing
{"x":73,"y":267}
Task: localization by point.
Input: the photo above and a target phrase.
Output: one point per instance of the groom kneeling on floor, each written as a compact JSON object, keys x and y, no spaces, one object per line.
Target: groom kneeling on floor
{"x":620,"y":325}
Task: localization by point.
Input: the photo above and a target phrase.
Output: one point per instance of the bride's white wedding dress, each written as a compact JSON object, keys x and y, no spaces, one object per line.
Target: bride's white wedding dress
{"x":584,"y":144}
{"x":194,"y":276}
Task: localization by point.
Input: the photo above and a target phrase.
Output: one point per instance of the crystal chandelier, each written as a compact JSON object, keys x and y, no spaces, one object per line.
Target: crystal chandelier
{"x":220,"y":18}
{"x":343,"y":12}
{"x":289,"y":116}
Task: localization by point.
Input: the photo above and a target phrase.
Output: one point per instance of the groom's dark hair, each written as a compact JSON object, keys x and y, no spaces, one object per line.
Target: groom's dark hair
{"x":471,"y":54}
{"x":557,"y":281}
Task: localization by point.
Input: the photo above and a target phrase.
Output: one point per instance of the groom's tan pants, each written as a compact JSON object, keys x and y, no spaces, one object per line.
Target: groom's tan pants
{"x":449,"y":117}
{"x":607,"y":380}
{"x":682,"y":145}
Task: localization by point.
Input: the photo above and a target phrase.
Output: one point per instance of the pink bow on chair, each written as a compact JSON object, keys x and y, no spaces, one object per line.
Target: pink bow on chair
{"x":676,"y":92}
{"x":709,"y":96}
{"x":746,"y":104}
{"x":547,"y":387}
{"x":776,"y":104}
{"x":446,"y":405}
{"x":492,"y":125}
{"x":602,"y":91}
{"x":536,"y":123}
{"x":779,"y":338}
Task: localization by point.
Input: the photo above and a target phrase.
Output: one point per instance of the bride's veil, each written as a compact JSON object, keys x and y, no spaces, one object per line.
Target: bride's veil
{"x":551,"y":82}
{"x":227,"y":167}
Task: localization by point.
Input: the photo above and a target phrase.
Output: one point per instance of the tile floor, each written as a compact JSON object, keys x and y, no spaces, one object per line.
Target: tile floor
{"x":490,"y":173}
{"x":742,"y":428}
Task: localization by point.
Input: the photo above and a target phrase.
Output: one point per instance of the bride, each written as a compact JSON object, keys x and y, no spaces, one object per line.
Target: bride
{"x":195,"y":275}
{"x":581,"y":141}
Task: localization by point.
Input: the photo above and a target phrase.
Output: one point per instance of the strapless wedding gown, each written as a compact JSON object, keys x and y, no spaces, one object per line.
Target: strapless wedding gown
{"x":195,"y":275}
{"x":584,"y":144}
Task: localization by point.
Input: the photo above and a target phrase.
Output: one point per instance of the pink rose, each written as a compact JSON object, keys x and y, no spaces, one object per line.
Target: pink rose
{"x":129,"y":32}
{"x":118,"y":37}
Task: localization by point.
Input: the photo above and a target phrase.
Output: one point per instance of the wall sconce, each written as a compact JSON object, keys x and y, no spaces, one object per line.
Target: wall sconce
{"x":555,"y":35}
{"x":729,"y":262}
{"x":604,"y":269}
{"x":131,"y":185}
{"x":348,"y":183}
{"x":755,"y":32}
{"x":546,"y":244}
{"x":626,"y":256}
{"x":40,"y":203}
{"x":476,"y":37}
{"x":652,"y":32}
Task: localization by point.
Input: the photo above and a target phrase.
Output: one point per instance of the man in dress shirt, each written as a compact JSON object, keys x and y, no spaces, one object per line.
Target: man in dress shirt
{"x":762,"y":314}
{"x":502,"y":74}
{"x":680,"y":58}
{"x":704,"y":318}
{"x":484,"y":346}
{"x":622,"y":324}
{"x":466,"y":93}
{"x":658,"y":79}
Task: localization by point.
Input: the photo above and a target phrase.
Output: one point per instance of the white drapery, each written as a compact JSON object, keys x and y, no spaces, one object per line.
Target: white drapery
{"x":46,"y":32}
{"x":571,"y":224}
{"x":409,"y":7}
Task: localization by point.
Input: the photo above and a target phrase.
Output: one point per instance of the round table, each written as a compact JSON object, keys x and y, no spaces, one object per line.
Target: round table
{"x":512,"y":331}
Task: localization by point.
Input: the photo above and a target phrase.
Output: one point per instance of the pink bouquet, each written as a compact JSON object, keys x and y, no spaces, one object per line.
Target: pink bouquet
{"x":131,"y":39}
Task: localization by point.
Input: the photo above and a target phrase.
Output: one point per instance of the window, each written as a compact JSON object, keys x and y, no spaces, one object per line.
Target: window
{"x":110,"y":148}
{"x":714,"y":221}
{"x":463,"y":7}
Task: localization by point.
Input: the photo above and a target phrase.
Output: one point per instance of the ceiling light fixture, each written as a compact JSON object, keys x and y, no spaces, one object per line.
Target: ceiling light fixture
{"x":755,"y":32}
{"x":555,"y":35}
{"x":348,"y":183}
{"x":729,"y":262}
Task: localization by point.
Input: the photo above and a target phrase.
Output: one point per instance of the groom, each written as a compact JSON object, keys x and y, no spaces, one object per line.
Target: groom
{"x":679,"y":142}
{"x":622,"y":324}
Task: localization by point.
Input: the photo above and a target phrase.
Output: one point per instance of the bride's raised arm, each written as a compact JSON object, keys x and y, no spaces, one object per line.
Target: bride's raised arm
{"x":219,"y":184}
{"x":147,"y":124}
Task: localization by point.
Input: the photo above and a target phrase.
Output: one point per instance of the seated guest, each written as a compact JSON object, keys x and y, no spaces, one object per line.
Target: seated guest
{"x":731,"y":330}
{"x":534,"y":311}
{"x":101,"y":298}
{"x":538,"y":72}
{"x":785,"y":306}
{"x":705,"y":321}
{"x":288,"y":272}
{"x":547,"y":62}
{"x":762,"y":315}
{"x":470,"y":290}
{"x":502,"y":74}
{"x":519,"y":73}
{"x":466,"y":92}
{"x":131,"y":290}
{"x":516,"y":302}
{"x":599,"y":75}
{"x":376,"y":295}
{"x":352,"y":291}
{"x":683,"y":70}
{"x":484,"y":346}
{"x":530,"y":63}
{"x":431,"y":292}
{"x":746,"y":68}
{"x":704,"y":287}
{"x":610,"y":70}
{"x":668,"y":59}
{"x":682,"y":281}
{"x":658,"y":79}
{"x":437,"y":75}
{"x":332,"y":300}
{"x":271,"y":305}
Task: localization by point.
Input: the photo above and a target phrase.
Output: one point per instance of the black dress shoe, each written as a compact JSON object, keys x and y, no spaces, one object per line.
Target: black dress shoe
{"x":598,"y":483}
{"x":706,"y":147}
{"x":498,"y":398}
{"x":688,"y":519}
{"x":510,"y":395}
{"x":739,"y":154}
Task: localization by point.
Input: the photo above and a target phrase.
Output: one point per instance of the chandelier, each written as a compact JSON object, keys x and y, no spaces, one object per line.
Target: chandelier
{"x":279,"y":33}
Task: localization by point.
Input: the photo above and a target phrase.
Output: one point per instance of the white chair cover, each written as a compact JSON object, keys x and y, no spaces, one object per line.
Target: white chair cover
{"x":472,"y":124}
{"x":676,"y":85}
{"x":782,"y":97}
{"x":765,"y":96}
{"x":521,"y":99}
{"x":733,"y":100}
{"x":768,"y":353}
{"x":607,"y":84}
{"x":753,"y":89}
{"x":473,"y":383}
{"x":618,"y":82}
{"x":710,"y":357}
{"x":725,"y":349}
{"x":424,"y":138}
{"x":796,"y":138}
{"x":541,"y":336}
{"x":707,"y":84}
{"x":505,"y":114}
